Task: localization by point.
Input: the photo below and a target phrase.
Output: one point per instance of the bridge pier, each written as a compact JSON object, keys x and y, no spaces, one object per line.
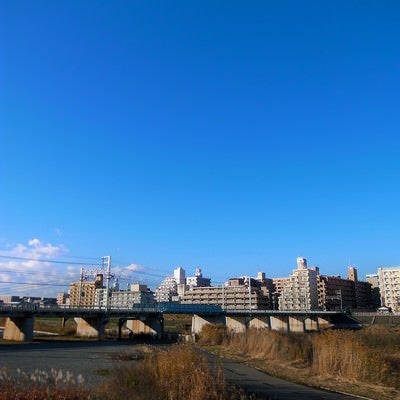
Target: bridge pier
{"x":279,"y":323}
{"x":236,"y":324}
{"x":90,"y":327}
{"x":19,"y":329}
{"x":260,"y":323}
{"x":296,"y":324}
{"x":311,"y":324}
{"x":324,"y":323}
{"x":148,"y":325}
{"x":198,"y":321}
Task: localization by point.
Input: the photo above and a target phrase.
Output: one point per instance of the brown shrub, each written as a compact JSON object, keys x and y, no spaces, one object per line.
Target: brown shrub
{"x":370,"y":355}
{"x":180,"y":373}
{"x":42,"y":385}
{"x":272,"y":345}
{"x":212,"y":334}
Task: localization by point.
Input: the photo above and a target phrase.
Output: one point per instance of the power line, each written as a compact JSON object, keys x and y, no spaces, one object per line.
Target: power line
{"x":45,"y":261}
{"x":34,"y":283}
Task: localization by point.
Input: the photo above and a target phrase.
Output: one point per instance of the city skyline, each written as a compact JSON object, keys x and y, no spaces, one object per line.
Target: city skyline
{"x":233,"y":137}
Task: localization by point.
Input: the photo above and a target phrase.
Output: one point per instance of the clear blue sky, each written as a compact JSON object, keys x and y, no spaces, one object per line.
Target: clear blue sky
{"x":230,"y":135}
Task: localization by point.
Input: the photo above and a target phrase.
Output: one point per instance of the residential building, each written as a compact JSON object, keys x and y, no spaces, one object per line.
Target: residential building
{"x":372,"y":279}
{"x":389,"y":286}
{"x":228,"y":296}
{"x":62,"y":298}
{"x":83,"y":293}
{"x":198,"y":279}
{"x":167,"y":291}
{"x":300,"y":290}
{"x":137,"y":294}
{"x":9,"y":299}
{"x":335,"y":293}
{"x":179,"y":276}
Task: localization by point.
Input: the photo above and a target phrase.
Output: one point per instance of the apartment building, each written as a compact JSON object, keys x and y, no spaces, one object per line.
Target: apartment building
{"x":83,"y":293}
{"x":9,"y":299}
{"x":62,"y":298}
{"x":372,"y":279}
{"x":137,"y":294}
{"x":335,"y":293}
{"x":198,"y":279}
{"x":389,"y":287}
{"x":229,"y":296}
{"x":167,"y":291}
{"x":300,"y":290}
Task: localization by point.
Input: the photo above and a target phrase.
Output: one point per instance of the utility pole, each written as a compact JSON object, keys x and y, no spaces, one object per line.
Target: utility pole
{"x":106,"y":264}
{"x":341,"y":300}
{"x":223,"y":297}
{"x":249,"y":293}
{"x":80,"y":287}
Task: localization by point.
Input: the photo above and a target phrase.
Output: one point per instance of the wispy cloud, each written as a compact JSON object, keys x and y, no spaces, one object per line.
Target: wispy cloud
{"x":32,"y":271}
{"x":58,"y":232}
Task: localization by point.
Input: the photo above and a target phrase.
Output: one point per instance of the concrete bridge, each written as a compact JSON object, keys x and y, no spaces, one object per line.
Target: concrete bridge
{"x":149,"y":320}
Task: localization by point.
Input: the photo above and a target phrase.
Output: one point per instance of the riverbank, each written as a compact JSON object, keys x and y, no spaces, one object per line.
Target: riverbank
{"x":364,"y":363}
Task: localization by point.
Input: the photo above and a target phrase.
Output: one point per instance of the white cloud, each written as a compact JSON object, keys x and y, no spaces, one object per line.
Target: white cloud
{"x":134,"y":267}
{"x":39,"y":249}
{"x":35,"y":266}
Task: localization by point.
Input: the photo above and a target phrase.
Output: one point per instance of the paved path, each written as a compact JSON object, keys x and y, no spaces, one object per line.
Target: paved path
{"x":267,"y":387}
{"x":93,"y":359}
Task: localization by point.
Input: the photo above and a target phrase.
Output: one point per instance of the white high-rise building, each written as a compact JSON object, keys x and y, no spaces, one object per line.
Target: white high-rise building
{"x":198,"y":279}
{"x":389,"y":287}
{"x":300,"y":291}
{"x":170,"y":286}
{"x":179,"y":275}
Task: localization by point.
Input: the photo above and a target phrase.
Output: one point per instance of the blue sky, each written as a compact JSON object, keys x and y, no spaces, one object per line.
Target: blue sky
{"x":234,"y":136}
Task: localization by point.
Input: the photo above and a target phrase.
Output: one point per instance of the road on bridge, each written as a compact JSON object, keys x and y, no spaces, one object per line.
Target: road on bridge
{"x":92,"y":358}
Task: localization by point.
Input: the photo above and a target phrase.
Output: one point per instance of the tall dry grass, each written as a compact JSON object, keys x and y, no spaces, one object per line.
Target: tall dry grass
{"x":42,"y":385}
{"x":371,"y":355}
{"x":213,"y":334}
{"x":271,"y":345}
{"x":178,"y":373}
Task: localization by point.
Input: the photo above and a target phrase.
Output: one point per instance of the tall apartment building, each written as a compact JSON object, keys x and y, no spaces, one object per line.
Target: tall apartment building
{"x":9,"y":299}
{"x":62,"y":298}
{"x":231,"y":296}
{"x":137,"y":295}
{"x":372,"y":279}
{"x":173,"y":288}
{"x":83,"y":293}
{"x":300,"y":291}
{"x":198,"y":279}
{"x":167,"y":291}
{"x":389,"y":287}
{"x":335,"y":293}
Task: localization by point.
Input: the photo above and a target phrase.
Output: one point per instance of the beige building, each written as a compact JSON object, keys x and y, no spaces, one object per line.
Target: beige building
{"x":235,"y":295}
{"x":137,"y":295}
{"x":335,"y":293}
{"x":372,"y":279}
{"x":389,"y":287}
{"x":83,"y":293}
{"x":62,"y":299}
{"x":300,"y":291}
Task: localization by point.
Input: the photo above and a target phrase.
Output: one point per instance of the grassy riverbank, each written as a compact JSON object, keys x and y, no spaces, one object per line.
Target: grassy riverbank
{"x":142,"y":372}
{"x":365,"y":362}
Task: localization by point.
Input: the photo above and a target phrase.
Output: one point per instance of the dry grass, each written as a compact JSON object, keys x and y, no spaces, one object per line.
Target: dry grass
{"x":272,"y":345}
{"x":371,"y":355}
{"x":213,"y":334}
{"x":41,"y":385}
{"x":179,"y":373}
